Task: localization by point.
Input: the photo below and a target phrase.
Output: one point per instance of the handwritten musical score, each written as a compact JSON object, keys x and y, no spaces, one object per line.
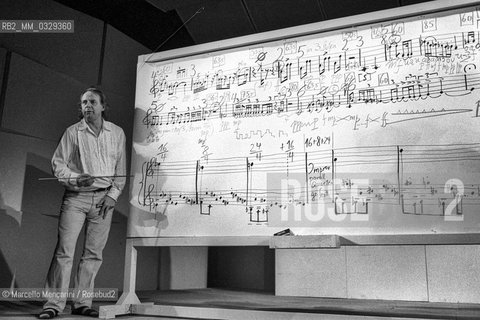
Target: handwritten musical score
{"x":320,"y":179}
{"x":354,"y":131}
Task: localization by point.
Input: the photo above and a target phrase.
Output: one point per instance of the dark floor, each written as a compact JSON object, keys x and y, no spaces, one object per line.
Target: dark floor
{"x":241,"y":300}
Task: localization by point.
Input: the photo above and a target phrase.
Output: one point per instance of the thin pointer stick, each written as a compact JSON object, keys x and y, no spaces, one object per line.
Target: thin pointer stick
{"x":174,"y":33}
{"x":55,"y":178}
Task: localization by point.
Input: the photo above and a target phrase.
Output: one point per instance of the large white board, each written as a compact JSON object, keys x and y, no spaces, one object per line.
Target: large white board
{"x":361,"y":130}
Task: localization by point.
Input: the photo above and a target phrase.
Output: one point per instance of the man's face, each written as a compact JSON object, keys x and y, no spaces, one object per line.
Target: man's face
{"x":91,"y":106}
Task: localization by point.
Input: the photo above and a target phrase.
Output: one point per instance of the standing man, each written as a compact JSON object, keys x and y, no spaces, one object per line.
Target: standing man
{"x":90,"y":162}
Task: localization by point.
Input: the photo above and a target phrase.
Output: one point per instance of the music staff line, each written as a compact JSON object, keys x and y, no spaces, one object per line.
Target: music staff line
{"x":341,"y":157}
{"x":414,"y":90}
{"x":359,"y":59}
{"x":379,"y":194}
{"x":273,"y":167}
{"x":359,"y":150}
{"x":384,"y":195}
{"x":370,"y":191}
{"x":472,"y":189}
{"x":346,"y":184}
{"x":406,"y":193}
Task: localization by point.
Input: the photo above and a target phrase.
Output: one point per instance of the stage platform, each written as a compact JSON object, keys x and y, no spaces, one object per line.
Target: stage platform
{"x":200,"y":303}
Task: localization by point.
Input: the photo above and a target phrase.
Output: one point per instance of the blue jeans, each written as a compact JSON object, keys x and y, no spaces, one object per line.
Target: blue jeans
{"x":77,"y":208}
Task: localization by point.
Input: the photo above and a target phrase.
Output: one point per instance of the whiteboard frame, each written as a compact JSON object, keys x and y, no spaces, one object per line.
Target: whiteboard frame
{"x":383,"y":16}
{"x":129,"y":302}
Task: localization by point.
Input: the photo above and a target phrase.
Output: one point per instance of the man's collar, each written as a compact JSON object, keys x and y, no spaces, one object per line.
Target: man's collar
{"x":82,"y":125}
{"x":105,"y":125}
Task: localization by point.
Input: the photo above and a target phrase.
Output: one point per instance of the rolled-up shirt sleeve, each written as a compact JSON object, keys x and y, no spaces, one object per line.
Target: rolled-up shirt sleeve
{"x":119,"y":180}
{"x":62,"y":166}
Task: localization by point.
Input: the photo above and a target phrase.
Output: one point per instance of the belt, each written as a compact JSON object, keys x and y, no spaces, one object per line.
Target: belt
{"x":96,"y":190}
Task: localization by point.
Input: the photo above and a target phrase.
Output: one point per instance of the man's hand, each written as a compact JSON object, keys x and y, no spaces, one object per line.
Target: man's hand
{"x":106,"y":205}
{"x":85,"y":180}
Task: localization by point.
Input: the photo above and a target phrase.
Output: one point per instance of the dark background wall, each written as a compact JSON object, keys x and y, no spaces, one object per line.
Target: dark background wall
{"x":41,"y":78}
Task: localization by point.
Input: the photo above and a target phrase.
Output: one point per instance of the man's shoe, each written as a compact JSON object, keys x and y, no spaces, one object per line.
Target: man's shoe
{"x":48,"y":313}
{"x":85,"y":311}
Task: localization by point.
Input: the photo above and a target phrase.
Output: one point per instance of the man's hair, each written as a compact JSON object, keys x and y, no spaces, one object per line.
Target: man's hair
{"x":103,"y":101}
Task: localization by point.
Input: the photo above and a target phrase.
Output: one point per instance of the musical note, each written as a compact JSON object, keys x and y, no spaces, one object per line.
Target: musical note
{"x":407,"y":50}
{"x":304,"y":69}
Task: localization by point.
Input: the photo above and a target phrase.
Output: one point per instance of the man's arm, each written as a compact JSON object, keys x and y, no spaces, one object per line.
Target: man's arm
{"x":118,"y":183}
{"x":119,"y":180}
{"x":61,"y":159}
